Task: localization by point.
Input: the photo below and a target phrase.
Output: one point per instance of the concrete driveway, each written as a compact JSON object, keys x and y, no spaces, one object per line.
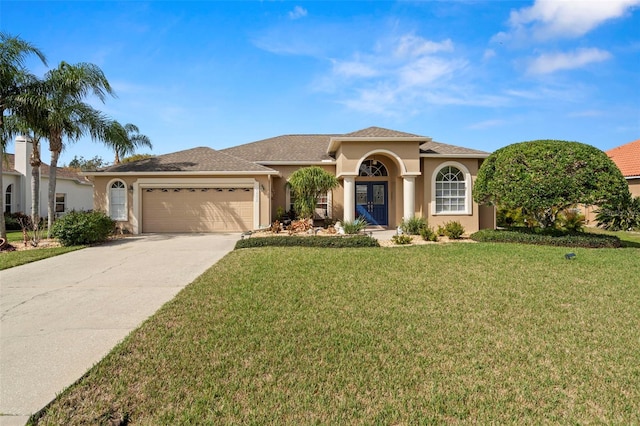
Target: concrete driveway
{"x":61,"y":315}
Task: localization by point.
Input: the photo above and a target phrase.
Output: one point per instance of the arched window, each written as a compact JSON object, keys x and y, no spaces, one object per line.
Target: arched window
{"x":8,"y":199}
{"x":452,"y":190}
{"x":372,"y":168}
{"x":118,"y":201}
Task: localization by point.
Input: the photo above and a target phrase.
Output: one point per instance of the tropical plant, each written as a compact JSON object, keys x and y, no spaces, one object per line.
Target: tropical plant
{"x":307,"y":184}
{"x":356,"y":226}
{"x":413,"y":225}
{"x":84,"y":164}
{"x":547,"y":176}
{"x":66,"y":115}
{"x":16,"y":84}
{"x":571,"y":220}
{"x":453,"y":230}
{"x":428,"y":234}
{"x":402,"y":239}
{"x":623,"y":215}
{"x":124,"y":140}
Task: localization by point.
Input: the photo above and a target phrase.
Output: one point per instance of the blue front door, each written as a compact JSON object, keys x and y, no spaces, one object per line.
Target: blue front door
{"x":371,"y":202}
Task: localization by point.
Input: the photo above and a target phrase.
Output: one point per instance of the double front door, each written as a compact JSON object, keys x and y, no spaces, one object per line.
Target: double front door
{"x":371,"y":202}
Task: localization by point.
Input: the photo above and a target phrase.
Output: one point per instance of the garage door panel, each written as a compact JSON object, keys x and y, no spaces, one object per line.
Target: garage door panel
{"x":211,"y":210}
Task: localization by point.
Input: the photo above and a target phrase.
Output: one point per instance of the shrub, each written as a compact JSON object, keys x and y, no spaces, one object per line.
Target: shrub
{"x":11,"y":222}
{"x":623,"y":215}
{"x":412,"y":226}
{"x":428,"y":234}
{"x":453,"y":230}
{"x":550,"y":238}
{"x":311,"y":241}
{"x":355,"y":227}
{"x":78,"y":228}
{"x":571,"y":220}
{"x":402,"y":239}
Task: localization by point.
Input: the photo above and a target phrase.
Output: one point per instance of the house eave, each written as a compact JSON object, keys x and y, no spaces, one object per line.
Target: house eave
{"x":182,"y":173}
{"x":455,"y":155}
{"x":296,"y":163}
{"x":632,"y":177}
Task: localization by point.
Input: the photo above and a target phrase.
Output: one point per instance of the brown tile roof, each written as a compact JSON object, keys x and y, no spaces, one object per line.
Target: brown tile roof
{"x":302,"y":148}
{"x":201,"y":159}
{"x":627,"y":158}
{"x":445,"y":149}
{"x":9,"y":165}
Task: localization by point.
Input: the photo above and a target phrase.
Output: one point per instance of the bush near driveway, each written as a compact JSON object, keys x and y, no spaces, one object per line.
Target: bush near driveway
{"x":79,"y":228}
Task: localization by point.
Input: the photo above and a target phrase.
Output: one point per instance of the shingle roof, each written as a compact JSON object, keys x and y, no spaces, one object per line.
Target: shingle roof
{"x":61,"y":172}
{"x":445,"y":149}
{"x":627,"y":158}
{"x":302,"y":148}
{"x":379,"y":132}
{"x":201,"y":159}
{"x":313,"y":148}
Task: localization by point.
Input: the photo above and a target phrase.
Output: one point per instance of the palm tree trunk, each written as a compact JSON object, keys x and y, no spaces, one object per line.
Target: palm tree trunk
{"x":35,"y":183}
{"x":51,"y":199}
{"x":3,"y":229}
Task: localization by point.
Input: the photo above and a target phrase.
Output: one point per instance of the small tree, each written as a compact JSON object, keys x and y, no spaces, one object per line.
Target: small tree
{"x":547,"y":176}
{"x":307,"y":185}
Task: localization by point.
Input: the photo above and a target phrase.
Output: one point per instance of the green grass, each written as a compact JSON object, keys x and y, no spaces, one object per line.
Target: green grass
{"x":16,"y":258}
{"x":456,"y":333}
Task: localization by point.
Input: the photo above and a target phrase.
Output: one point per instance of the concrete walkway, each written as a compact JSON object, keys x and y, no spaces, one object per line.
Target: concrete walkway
{"x":60,"y":316}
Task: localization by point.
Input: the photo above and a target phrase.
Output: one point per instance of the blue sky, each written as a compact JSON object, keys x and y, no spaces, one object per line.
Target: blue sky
{"x":479,"y":74}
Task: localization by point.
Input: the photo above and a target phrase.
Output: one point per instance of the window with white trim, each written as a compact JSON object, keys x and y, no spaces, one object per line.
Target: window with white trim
{"x":61,"y":203}
{"x":323,"y":204}
{"x":118,"y":201}
{"x":451,"y":191}
{"x":8,"y":198}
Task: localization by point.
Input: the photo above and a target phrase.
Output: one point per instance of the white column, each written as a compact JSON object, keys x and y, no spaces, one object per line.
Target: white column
{"x":409,"y":196}
{"x":256,"y":205}
{"x":349,"y":198}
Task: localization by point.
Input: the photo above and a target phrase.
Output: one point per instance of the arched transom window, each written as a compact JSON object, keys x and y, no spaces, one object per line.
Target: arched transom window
{"x":451,"y":190}
{"x":118,"y":201}
{"x":373,"y":168}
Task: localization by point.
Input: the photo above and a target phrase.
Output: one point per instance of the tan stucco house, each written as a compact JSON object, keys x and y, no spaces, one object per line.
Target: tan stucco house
{"x":384,"y":175}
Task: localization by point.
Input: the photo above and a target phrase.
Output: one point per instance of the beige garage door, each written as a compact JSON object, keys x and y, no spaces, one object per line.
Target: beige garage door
{"x":197,"y":209}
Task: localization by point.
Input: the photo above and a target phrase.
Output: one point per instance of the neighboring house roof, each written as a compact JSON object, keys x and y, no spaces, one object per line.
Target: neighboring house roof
{"x":627,"y":158}
{"x":201,"y":159}
{"x":61,"y":172}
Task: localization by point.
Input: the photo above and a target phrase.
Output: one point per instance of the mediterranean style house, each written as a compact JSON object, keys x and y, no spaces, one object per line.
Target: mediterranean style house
{"x":384,"y":176}
{"x":73,"y":191}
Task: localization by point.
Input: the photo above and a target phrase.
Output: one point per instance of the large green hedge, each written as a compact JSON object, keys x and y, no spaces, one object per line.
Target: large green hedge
{"x":310,"y":241}
{"x":552,"y":238}
{"x":79,"y":228}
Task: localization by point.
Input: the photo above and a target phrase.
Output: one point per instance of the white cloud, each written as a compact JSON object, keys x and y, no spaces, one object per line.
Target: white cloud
{"x":298,"y":12}
{"x":354,"y":68}
{"x":587,"y":113}
{"x":486,"y":124}
{"x":488,"y":54}
{"x":412,"y":46}
{"x":563,"y":19}
{"x":551,"y":62}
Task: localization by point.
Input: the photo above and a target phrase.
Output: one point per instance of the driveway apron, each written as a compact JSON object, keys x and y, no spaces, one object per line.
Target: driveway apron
{"x":61,"y":315}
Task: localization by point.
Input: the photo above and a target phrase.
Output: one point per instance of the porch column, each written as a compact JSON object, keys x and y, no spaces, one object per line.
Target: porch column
{"x":409,"y":196}
{"x":349,"y":198}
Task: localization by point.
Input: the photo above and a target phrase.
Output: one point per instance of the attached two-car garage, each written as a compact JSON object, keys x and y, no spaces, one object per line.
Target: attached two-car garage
{"x":200,"y":209}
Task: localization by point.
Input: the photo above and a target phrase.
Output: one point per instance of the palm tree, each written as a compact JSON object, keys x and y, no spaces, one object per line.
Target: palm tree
{"x":124,"y":139}
{"x":15,"y":84}
{"x":68,"y":116}
{"x":308,"y":183}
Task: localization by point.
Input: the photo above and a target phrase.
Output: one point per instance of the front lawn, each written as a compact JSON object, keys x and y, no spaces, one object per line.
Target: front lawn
{"x":454,"y":333}
{"x":9,"y":259}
